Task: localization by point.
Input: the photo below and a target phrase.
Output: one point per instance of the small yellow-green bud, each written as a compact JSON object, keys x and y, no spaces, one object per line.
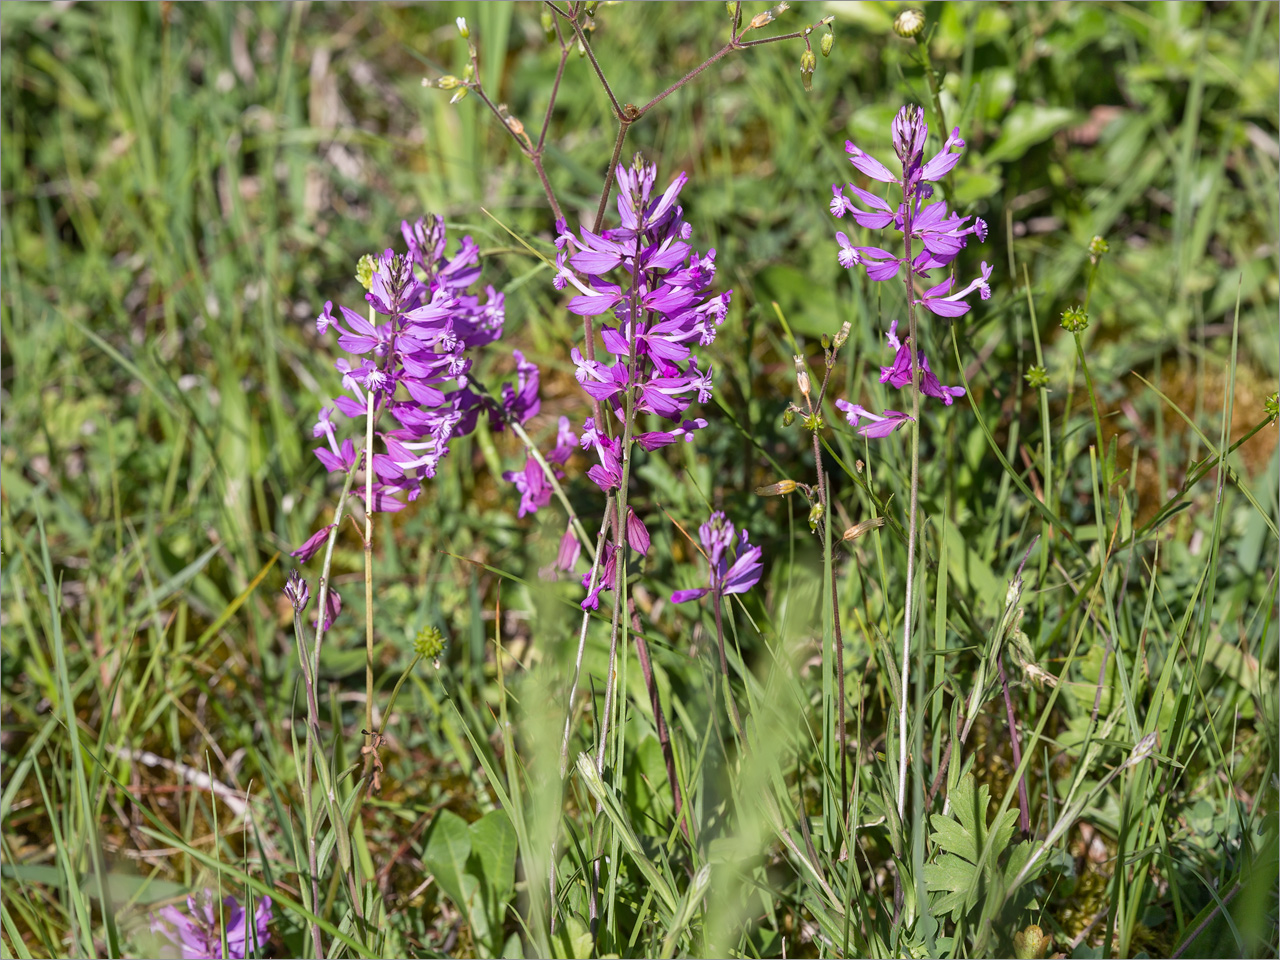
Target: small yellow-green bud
{"x":448,"y":82}
{"x":1031,"y":943}
{"x":468,"y":71}
{"x":815,"y":515}
{"x":814,"y":422}
{"x":776,"y":489}
{"x":826,"y":43}
{"x":548,"y":24}
{"x":591,"y":7}
{"x":582,"y":49}
{"x":807,"y":62}
{"x":788,"y":416}
{"x":909,"y":23}
{"x":842,"y":335}
{"x":364,"y":271}
{"x":429,"y":644}
{"x":462,"y":92}
{"x":462,"y":28}
{"x":1097,"y":247}
{"x":826,"y":342}
{"x":1272,"y":406}
{"x":730,"y":6}
{"x":1075,"y":320}
{"x":1037,"y":377}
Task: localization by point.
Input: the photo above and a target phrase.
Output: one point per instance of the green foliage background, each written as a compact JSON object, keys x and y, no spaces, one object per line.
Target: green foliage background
{"x":185,"y":185}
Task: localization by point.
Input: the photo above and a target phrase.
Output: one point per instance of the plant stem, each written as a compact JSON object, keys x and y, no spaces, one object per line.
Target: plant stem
{"x":1024,"y":805}
{"x":368,"y":577}
{"x":724,"y":671}
{"x":912,"y":533}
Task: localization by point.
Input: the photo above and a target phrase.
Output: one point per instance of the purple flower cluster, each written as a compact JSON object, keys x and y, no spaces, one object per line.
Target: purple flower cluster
{"x":897,"y":375}
{"x":662,"y":305}
{"x":735,"y":563}
{"x":414,"y":364}
{"x":197,"y":933}
{"x":941,"y":234}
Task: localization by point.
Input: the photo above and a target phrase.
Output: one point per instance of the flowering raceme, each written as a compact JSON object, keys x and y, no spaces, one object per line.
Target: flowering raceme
{"x":941,"y":235}
{"x":411,"y":359}
{"x":646,"y":276}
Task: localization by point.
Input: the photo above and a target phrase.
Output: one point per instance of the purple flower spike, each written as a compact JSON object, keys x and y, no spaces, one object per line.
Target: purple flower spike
{"x":197,"y":933}
{"x":735,"y":563}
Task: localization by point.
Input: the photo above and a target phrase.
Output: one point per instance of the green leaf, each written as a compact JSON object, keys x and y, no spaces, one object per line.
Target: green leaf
{"x":1024,"y":127}
{"x":961,"y":837}
{"x":446,"y":856}
{"x":493,"y":857}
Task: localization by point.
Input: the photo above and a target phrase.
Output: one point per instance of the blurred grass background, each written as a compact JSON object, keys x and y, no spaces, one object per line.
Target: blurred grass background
{"x":185,"y":185}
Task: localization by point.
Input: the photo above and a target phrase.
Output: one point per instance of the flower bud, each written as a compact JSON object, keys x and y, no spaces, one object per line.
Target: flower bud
{"x":826,"y":342}
{"x":802,"y":377}
{"x":815,"y":516}
{"x":429,"y":644}
{"x":297,"y":590}
{"x":448,"y":82}
{"x":1097,"y":247}
{"x":789,"y":416}
{"x":827,"y":42}
{"x":807,"y":62}
{"x":1142,"y":749}
{"x":364,"y":271}
{"x":1272,"y":406}
{"x":582,"y":49}
{"x":842,"y":335}
{"x":548,"y":24}
{"x":469,"y":70}
{"x":909,"y":23}
{"x":591,"y":7}
{"x":866,"y":526}
{"x":1037,"y":377}
{"x":1075,"y":320}
{"x":729,"y":7}
{"x":1031,"y":943}
{"x":462,"y":92}
{"x":776,"y":489}
{"x":462,"y":28}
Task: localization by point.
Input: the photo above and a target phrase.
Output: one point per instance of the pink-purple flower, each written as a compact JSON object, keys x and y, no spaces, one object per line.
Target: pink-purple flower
{"x":198,"y":932}
{"x":735,"y":562}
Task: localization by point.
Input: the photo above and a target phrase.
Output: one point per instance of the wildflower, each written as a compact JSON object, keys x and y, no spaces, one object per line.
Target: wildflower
{"x":735,"y":563}
{"x":313,"y":544}
{"x":532,"y":483}
{"x":297,"y":590}
{"x":332,"y":607}
{"x":197,"y":933}
{"x":411,"y":361}
{"x":898,"y":374}
{"x":662,"y":307}
{"x":878,"y":424}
